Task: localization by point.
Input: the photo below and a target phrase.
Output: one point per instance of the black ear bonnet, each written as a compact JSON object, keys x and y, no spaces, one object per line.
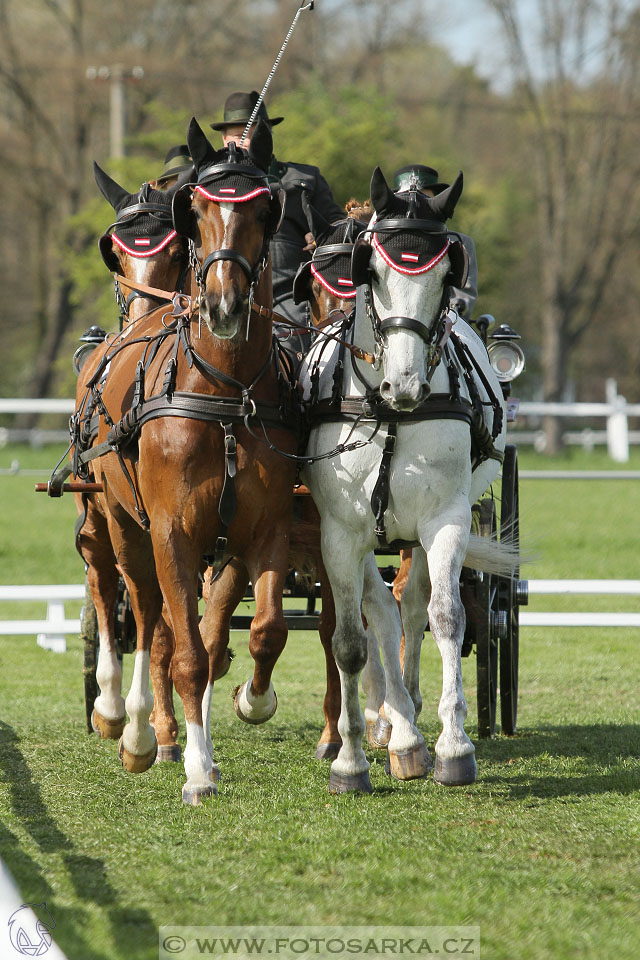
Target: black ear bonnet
{"x":410,"y":233}
{"x":230,"y":175}
{"x":330,"y":264}
{"x":143,"y":226}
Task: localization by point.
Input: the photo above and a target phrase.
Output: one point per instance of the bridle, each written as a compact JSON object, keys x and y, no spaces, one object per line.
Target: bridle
{"x":435,"y":334}
{"x":127,"y":216}
{"x":211,"y":185}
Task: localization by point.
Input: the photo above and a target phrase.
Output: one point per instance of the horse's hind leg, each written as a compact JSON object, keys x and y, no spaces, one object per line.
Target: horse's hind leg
{"x":455,"y":753}
{"x":108,"y":716}
{"x":223,"y":594}
{"x":330,"y":740}
{"x":415,"y":597}
{"x":163,"y":718}
{"x":408,"y":754}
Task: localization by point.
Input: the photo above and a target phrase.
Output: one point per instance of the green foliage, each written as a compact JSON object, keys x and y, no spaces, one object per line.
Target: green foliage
{"x":346,"y":132}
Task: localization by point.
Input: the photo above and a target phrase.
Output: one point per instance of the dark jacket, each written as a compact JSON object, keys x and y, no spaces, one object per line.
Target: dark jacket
{"x":287,"y":246}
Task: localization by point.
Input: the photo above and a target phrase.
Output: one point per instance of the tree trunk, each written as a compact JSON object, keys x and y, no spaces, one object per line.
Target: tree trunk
{"x":554,"y":360}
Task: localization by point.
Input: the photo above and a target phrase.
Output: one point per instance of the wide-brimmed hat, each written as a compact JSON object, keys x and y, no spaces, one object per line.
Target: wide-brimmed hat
{"x":238,"y":109}
{"x":176,"y":162}
{"x":418,"y":175}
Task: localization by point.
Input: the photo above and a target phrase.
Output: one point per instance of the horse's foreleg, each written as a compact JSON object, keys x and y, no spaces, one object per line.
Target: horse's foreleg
{"x":163,"y":718}
{"x":138,"y":746}
{"x":455,"y":753}
{"x":350,"y":769}
{"x":255,"y":700}
{"x":408,"y":754}
{"x":177,"y":566}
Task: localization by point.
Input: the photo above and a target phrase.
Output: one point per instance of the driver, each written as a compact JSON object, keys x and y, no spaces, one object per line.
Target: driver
{"x":306,"y":190}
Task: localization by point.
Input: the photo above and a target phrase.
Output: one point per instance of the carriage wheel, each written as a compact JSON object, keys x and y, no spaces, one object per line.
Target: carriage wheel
{"x":90,"y":641}
{"x":508,"y":589}
{"x":485,"y":632}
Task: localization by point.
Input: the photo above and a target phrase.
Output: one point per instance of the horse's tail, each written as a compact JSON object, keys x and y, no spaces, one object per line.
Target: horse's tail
{"x":502,"y":557}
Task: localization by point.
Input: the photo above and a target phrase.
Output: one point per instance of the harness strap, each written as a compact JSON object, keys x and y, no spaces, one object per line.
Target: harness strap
{"x":380,"y":495}
{"x":438,"y":406}
{"x":228,"y":504}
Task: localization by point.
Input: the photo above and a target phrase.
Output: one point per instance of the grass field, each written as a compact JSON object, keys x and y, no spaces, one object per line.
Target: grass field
{"x":542,"y":852}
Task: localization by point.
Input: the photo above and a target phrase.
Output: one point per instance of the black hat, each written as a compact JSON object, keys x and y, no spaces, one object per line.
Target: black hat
{"x":420,"y":176}
{"x":238,"y":109}
{"x":176,"y":162}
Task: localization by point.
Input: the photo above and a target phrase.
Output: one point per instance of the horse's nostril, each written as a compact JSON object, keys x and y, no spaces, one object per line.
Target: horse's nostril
{"x":385,"y":388}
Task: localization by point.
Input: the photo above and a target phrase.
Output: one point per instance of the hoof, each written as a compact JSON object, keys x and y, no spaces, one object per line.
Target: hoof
{"x":214,"y":773}
{"x":107,"y":729}
{"x":239,"y":693}
{"x":350,"y":782}
{"x":379,"y":733}
{"x":409,"y":764}
{"x":327,"y":751}
{"x":169,"y":752}
{"x":456,"y":771}
{"x":133,"y":763}
{"x":193,"y":796}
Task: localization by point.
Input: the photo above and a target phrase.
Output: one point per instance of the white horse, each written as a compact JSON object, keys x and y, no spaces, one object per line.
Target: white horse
{"x":421,"y":489}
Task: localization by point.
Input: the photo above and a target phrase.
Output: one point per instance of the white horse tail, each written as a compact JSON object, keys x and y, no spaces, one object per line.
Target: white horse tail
{"x":493,"y":556}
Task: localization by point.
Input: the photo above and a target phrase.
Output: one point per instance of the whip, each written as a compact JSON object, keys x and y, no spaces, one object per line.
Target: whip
{"x":303,"y":6}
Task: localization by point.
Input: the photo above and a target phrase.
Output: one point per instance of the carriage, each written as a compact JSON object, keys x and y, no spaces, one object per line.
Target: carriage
{"x":490,"y":600}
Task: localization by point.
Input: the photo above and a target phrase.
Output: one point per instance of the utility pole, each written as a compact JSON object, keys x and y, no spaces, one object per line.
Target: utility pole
{"x":117,"y":74}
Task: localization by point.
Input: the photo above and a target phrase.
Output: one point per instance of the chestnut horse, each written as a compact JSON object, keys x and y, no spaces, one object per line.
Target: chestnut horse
{"x":183,"y":415}
{"x":144,"y":250}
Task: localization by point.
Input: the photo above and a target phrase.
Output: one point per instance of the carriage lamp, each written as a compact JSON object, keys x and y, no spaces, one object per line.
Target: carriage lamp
{"x":506,"y":356}
{"x":88,"y":342}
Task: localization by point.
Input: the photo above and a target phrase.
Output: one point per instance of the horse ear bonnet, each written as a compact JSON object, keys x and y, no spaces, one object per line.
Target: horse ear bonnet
{"x":143,"y":224}
{"x":302,"y":283}
{"x":360,"y":259}
{"x":184,"y":220}
{"x":105,"y":244}
{"x":459,"y":259}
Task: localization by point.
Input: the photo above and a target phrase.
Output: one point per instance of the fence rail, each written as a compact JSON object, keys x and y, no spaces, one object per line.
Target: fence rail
{"x":615,"y":411}
{"x":51,"y":631}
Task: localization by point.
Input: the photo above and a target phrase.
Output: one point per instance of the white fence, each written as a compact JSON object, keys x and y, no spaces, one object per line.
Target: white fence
{"x":50,"y":632}
{"x":615,"y":412}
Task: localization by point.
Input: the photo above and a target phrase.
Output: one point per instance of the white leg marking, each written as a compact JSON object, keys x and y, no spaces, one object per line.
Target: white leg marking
{"x":197,"y":762}
{"x":138,"y":736}
{"x":255,"y":706}
{"x":109,"y":703}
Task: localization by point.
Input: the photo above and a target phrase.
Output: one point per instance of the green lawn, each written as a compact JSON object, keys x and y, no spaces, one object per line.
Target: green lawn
{"x":542,"y":852}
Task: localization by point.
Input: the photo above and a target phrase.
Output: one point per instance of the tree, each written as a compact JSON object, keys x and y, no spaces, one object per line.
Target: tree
{"x":580,"y":119}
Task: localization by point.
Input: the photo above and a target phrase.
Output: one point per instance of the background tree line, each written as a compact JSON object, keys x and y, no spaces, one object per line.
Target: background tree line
{"x":551,"y":160}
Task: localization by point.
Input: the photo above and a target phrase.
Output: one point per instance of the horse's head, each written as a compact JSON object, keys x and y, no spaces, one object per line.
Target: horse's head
{"x":325,"y":280}
{"x":230,"y":214}
{"x":141,"y":245}
{"x":405,"y":261}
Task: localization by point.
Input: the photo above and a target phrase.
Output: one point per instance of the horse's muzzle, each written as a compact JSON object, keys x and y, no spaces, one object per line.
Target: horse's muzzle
{"x":224,"y":316}
{"x":405,"y":394}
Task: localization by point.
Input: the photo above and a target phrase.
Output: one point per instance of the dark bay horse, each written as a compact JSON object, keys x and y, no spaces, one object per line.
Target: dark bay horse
{"x":188,"y":473}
